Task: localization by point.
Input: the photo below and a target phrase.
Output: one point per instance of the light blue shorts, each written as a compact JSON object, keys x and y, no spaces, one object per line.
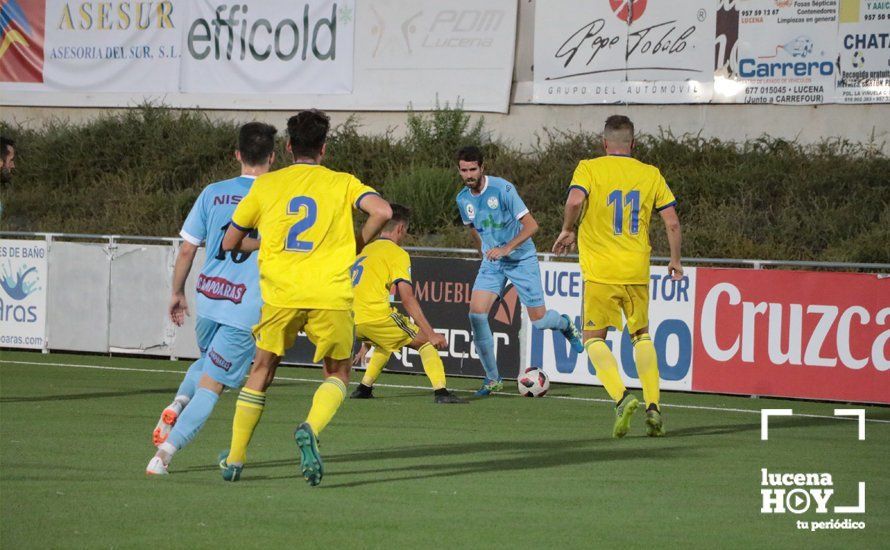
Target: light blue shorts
{"x":226,"y":351}
{"x":524,"y":274}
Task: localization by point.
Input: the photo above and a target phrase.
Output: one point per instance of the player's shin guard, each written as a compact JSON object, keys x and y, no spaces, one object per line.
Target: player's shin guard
{"x":551,"y":320}
{"x":193,"y":418}
{"x":432,"y":365}
{"x":248,"y":411}
{"x":606,"y":367}
{"x":484,"y":340}
{"x":325,"y":403}
{"x":190,"y":383}
{"x":375,"y":367}
{"x":647,"y":367}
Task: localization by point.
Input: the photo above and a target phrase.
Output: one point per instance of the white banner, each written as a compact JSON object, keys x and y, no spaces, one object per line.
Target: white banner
{"x":785,"y":53}
{"x":608,"y":51}
{"x":863,"y":43}
{"x":253,"y":54}
{"x":23,"y":276}
{"x":272,"y":47}
{"x":671,"y":322}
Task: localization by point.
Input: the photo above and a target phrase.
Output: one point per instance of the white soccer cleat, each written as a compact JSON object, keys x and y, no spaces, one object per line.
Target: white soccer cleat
{"x":165,"y":425}
{"x":156,"y":467}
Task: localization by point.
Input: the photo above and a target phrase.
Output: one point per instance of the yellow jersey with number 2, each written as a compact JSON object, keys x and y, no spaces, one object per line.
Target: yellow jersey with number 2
{"x":613,"y":233}
{"x":307,"y":242}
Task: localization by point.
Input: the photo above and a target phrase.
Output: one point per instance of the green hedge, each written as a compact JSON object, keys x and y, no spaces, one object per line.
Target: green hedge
{"x":138,"y":173}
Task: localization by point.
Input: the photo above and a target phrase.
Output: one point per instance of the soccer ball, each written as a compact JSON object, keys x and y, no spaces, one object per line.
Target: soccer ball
{"x":533,"y":383}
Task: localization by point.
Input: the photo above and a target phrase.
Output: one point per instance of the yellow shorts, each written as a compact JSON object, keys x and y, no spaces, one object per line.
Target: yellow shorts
{"x":604,"y":303}
{"x":388,"y":334}
{"x":331,"y":330}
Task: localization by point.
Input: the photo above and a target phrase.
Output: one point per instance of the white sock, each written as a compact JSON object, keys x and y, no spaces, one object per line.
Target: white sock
{"x":166,"y":450}
{"x":179,"y":403}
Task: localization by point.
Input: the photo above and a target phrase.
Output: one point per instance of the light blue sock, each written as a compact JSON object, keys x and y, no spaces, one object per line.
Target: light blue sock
{"x":193,"y":418}
{"x":484,"y":340}
{"x":551,"y":320}
{"x":192,"y":377}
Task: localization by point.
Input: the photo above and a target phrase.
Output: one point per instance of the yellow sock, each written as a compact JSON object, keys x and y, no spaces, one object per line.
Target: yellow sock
{"x":432,"y":365}
{"x":375,"y":367}
{"x":647,"y":368}
{"x":606,"y":367}
{"x":248,"y":411}
{"x":325,"y":403}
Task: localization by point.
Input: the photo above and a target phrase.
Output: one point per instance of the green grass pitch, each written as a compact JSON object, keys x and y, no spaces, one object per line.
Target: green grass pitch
{"x":402,"y":472}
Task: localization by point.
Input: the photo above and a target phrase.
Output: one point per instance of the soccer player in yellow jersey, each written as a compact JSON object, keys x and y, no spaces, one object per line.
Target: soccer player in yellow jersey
{"x":614,"y":197}
{"x":303,"y":214}
{"x":380,"y":266}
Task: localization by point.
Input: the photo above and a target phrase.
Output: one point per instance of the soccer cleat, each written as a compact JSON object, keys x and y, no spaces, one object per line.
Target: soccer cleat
{"x":449,"y":398}
{"x":165,"y":426}
{"x":490,"y":386}
{"x":623,"y":413}
{"x":362,"y":392}
{"x":230,"y":472}
{"x":156,"y":467}
{"x":654,"y":423}
{"x":573,"y":335}
{"x":310,"y":460}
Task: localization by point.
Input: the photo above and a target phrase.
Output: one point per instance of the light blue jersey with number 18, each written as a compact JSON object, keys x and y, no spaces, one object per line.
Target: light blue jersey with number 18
{"x":229,"y":282}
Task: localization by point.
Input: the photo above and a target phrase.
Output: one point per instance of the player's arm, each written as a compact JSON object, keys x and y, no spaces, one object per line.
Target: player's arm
{"x":379,"y":212}
{"x":179,"y":307}
{"x":672,"y":226}
{"x":529,"y":228}
{"x":565,"y":243}
{"x":412,"y":306}
{"x":236,"y":239}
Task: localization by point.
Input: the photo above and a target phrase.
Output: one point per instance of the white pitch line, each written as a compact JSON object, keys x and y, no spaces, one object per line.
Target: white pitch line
{"x":404,"y":387}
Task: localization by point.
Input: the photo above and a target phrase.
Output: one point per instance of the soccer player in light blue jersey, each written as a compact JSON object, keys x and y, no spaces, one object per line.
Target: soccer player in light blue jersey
{"x":502,"y":227}
{"x":228,"y":299}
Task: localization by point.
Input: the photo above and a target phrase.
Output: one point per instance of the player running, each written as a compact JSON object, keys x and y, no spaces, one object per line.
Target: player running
{"x":380,"y":266}
{"x":502,"y":227}
{"x":304,"y":215}
{"x":614,"y":197}
{"x":228,"y":300}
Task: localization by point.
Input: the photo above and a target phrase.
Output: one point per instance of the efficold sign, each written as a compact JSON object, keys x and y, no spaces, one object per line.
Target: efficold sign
{"x":671,"y":322}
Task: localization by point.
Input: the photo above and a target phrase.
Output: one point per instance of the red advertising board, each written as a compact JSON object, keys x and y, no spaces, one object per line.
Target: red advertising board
{"x":793,"y":334}
{"x":21,"y":40}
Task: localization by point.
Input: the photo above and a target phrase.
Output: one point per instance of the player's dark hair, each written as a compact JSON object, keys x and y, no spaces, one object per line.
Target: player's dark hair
{"x":256,"y":142}
{"x":400,"y":214}
{"x":307,"y":132}
{"x":617,"y":125}
{"x":470,"y":153}
{"x":6,"y":146}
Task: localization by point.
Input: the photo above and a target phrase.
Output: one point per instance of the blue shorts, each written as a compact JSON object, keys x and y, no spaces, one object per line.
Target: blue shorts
{"x":226,"y":351}
{"x":524,"y":274}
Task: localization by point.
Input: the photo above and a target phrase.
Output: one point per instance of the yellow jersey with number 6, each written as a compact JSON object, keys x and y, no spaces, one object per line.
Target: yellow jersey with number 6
{"x":380,"y":265}
{"x":303,"y":214}
{"x":613,"y":233}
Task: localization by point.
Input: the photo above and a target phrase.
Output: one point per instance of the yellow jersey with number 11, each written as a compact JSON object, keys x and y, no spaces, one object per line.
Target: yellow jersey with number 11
{"x":613,"y":233}
{"x":303,"y":214}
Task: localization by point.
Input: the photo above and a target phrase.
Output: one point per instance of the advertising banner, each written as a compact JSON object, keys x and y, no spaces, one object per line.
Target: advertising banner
{"x":269,"y":54}
{"x":443,"y":287}
{"x":793,"y":334}
{"x":272,"y":47}
{"x":784,"y":53}
{"x":863,"y":44}
{"x":608,"y":51}
{"x":23,"y":276}
{"x":671,"y":322}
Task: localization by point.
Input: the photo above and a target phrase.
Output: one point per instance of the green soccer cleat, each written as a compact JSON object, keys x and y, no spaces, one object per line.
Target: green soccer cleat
{"x":489,"y":386}
{"x":654,"y":423}
{"x":230,"y":472}
{"x":623,"y":413}
{"x":310,"y":460}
